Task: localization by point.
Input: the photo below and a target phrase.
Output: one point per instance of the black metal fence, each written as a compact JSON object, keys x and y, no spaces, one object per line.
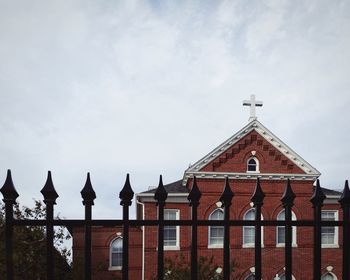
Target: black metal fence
{"x":126,"y":195}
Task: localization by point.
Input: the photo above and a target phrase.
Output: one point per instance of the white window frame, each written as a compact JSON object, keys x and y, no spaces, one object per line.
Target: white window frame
{"x":336,"y":231}
{"x":114,"y":267}
{"x":177,"y":217}
{"x":257,"y":170}
{"x":252,"y":245}
{"x":294,"y":231}
{"x":213,"y":246}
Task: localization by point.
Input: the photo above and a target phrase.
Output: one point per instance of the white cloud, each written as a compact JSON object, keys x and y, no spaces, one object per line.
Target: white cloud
{"x":147,"y":88}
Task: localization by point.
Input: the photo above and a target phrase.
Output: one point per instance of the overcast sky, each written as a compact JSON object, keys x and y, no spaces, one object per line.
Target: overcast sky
{"x":148,"y":87}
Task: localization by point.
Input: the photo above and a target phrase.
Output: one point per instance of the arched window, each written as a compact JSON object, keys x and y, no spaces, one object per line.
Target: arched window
{"x":328,"y":276}
{"x":249,"y":231}
{"x":280,"y":230}
{"x":283,"y":277}
{"x":116,"y":253}
{"x":216,"y":233}
{"x":253,"y":165}
{"x":250,"y":277}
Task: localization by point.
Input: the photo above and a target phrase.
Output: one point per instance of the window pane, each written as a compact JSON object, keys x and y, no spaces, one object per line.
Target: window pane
{"x":117,"y":245}
{"x":250,"y":215}
{"x":328,"y":215}
{"x":170,"y":232}
{"x":328,"y":233}
{"x":217,"y":215}
{"x":327,"y":276}
{"x":248,"y":235}
{"x":327,"y":238}
{"x":281,"y":235}
{"x":117,"y":259}
{"x":251,"y":167}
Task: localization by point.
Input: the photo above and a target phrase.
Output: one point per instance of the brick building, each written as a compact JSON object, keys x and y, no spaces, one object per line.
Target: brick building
{"x":253,"y":152}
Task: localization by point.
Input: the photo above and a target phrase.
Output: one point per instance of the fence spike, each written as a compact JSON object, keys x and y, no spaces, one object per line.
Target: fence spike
{"x":345,"y":197}
{"x":8,"y":190}
{"x":87,"y":193}
{"x":126,"y":194}
{"x":227,"y":194}
{"x":48,"y":191}
{"x":288,"y":195}
{"x":345,"y":204}
{"x":258,"y":196}
{"x":195,"y":194}
{"x":318,"y":196}
{"x":160,"y":195}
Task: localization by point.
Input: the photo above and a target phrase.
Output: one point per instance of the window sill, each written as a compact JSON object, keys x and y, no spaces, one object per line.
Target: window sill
{"x":252,"y":171}
{"x":282,"y":245}
{"x":251,"y":245}
{"x":111,"y":268}
{"x":325,"y":246}
{"x":171,"y":248}
{"x":215,"y":246}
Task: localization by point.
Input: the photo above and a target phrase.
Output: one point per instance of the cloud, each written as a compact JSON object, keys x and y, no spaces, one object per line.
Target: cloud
{"x":149,"y":87}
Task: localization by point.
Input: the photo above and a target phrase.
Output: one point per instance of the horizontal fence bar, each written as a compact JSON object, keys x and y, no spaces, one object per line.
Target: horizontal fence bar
{"x":108,"y":223}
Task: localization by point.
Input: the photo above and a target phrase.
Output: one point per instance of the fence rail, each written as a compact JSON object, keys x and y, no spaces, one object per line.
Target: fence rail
{"x":227,"y":198}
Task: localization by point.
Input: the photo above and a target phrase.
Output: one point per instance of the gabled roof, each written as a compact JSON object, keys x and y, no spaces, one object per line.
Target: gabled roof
{"x":330,"y":192}
{"x":174,"y":187}
{"x":311,"y":172}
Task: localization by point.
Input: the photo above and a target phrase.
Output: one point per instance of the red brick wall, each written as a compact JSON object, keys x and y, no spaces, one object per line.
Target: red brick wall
{"x":101,"y":238}
{"x":273,"y":258}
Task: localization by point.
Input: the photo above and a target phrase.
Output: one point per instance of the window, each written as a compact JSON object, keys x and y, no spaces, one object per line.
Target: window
{"x":329,"y":235}
{"x":216,"y":233}
{"x":283,"y":277}
{"x":116,"y":253}
{"x":253,"y":165}
{"x":250,"y":277}
{"x":249,"y":231}
{"x":280,"y":230}
{"x":171,"y":233}
{"x":328,"y":276}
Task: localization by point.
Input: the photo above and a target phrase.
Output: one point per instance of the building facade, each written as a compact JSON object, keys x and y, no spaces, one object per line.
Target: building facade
{"x":253,"y":152}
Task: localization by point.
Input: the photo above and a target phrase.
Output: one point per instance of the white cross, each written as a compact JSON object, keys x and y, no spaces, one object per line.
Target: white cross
{"x":252,"y":103}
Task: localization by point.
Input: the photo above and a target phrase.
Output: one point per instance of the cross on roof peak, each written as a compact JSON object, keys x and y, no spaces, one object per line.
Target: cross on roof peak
{"x":252,"y":103}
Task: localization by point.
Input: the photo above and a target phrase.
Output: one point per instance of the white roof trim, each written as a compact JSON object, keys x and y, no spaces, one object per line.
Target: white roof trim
{"x":152,"y":194}
{"x":248,"y":176}
{"x":269,"y":137}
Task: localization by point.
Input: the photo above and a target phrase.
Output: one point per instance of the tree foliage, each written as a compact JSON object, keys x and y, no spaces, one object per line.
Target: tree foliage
{"x":29,"y":246}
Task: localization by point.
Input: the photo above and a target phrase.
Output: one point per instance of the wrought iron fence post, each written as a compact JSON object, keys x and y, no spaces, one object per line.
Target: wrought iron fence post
{"x":88,"y":195}
{"x":226,"y":200}
{"x":50,"y":196}
{"x":288,"y":202}
{"x":345,"y":204}
{"x":126,"y":196}
{"x":160,"y":196}
{"x":257,"y":199}
{"x":10,"y":194}
{"x":317,"y":201}
{"x":194,"y":197}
